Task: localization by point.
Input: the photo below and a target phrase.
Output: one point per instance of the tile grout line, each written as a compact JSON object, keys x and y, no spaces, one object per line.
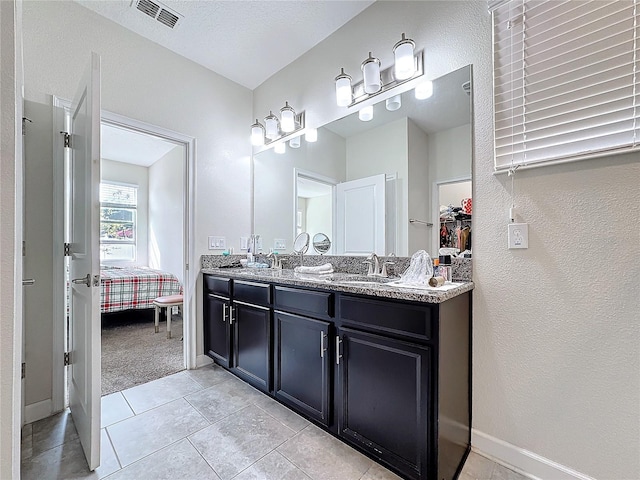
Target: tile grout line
{"x":203,"y":457}
{"x":113,"y":447}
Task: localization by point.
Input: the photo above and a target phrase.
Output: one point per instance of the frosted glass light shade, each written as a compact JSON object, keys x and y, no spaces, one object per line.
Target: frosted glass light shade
{"x":287,"y":118}
{"x":311,"y":135}
{"x":424,"y":90}
{"x":371,"y":73}
{"x":403,"y":55}
{"x":280,"y":148}
{"x":294,"y":142}
{"x":343,"y":89}
{"x":393,"y":103}
{"x":271,"y":126}
{"x":257,"y":134}
{"x":365,"y":114}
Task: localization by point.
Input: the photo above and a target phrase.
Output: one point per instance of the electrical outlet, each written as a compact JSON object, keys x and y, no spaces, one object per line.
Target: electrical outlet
{"x":518,"y":234}
{"x":217,"y":243}
{"x":244,"y":243}
{"x":279,"y":244}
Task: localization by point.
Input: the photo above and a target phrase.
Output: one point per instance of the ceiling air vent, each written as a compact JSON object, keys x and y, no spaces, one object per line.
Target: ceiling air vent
{"x":158,"y":12}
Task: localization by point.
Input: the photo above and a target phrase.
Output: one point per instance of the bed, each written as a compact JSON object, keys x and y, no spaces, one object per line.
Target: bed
{"x":134,"y":288}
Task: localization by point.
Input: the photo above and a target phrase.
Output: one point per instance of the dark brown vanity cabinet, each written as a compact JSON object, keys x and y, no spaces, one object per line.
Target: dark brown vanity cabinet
{"x":302,"y":364}
{"x":238,"y":328}
{"x":217,"y":319}
{"x":390,"y":377}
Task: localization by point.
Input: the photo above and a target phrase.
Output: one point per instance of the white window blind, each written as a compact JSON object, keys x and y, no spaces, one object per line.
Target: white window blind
{"x":565,"y":81}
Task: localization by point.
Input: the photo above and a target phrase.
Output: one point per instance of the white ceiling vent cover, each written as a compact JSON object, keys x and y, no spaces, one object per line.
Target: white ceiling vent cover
{"x":158,"y":12}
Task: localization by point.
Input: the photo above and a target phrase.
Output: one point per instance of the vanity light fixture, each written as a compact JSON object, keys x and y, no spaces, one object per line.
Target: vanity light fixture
{"x":287,"y":116}
{"x":280,"y":147}
{"x":312,"y":135}
{"x":393,"y":103}
{"x":294,"y":142}
{"x":408,"y":65}
{"x":424,"y":90}
{"x":366,"y":113}
{"x":257,"y":134}
{"x":343,"y":89}
{"x":271,"y":122}
{"x":371,"y":74}
{"x":403,"y":55}
{"x":274,"y":129}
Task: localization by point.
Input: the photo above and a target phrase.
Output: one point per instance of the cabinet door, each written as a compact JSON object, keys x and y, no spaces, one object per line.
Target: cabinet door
{"x":252,"y":344}
{"x":217,"y":331}
{"x":302,"y":363}
{"x":384,"y":400}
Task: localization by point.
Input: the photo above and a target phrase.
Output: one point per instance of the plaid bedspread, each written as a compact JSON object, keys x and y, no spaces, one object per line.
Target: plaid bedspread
{"x":134,"y":288}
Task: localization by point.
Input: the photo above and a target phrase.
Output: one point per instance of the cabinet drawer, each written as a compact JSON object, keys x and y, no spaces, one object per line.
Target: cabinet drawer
{"x":305,"y":302}
{"x":387,"y":316}
{"x":221,"y":286}
{"x":251,"y":292}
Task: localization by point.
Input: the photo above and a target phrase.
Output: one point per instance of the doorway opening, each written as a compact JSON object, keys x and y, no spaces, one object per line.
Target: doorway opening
{"x":146,"y":216}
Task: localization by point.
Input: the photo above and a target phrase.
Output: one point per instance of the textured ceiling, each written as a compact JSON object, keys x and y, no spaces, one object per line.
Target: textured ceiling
{"x":245,"y":41}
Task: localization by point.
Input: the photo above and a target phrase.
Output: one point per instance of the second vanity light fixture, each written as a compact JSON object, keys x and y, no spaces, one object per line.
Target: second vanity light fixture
{"x":407,"y":66}
{"x":274,"y":129}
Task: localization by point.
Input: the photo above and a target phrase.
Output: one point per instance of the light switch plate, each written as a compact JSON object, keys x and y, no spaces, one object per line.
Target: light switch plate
{"x":279,"y":244}
{"x":217,"y":243}
{"x":244,"y":243}
{"x":518,"y":234}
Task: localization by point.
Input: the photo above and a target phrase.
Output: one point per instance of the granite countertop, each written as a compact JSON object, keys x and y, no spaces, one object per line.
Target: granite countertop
{"x":346,"y":282}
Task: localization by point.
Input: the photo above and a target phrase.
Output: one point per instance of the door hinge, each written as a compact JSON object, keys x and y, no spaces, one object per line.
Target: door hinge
{"x":24,"y":124}
{"x":24,"y":370}
{"x":24,"y":248}
{"x":67,"y":359}
{"x":67,"y":139}
{"x":67,"y":249}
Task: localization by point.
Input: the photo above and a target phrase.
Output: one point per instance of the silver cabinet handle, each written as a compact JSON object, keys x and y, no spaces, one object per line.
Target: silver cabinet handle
{"x":322,"y":347}
{"x":86,"y":280}
{"x":338,"y":355}
{"x":224,"y":312}
{"x":230,"y":314}
{"x":27,"y":282}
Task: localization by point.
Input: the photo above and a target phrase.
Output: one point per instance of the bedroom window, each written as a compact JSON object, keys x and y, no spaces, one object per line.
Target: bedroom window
{"x":565,"y":80}
{"x":118,"y":209}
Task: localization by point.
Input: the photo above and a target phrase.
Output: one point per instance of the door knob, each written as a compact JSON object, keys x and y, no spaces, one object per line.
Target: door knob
{"x":86,"y":280}
{"x":27,"y":282}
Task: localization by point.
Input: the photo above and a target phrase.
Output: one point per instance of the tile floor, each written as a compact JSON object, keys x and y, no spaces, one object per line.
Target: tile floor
{"x":205,"y":424}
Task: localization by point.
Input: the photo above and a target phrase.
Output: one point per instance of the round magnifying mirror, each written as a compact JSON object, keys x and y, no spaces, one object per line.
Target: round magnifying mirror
{"x":321,"y":243}
{"x":301,"y":243}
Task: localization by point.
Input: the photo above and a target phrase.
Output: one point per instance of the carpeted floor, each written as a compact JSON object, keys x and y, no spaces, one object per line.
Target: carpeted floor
{"x":133,"y":354}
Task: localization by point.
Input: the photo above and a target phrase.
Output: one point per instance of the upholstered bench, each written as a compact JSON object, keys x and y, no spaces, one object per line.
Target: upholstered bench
{"x":166,"y":302}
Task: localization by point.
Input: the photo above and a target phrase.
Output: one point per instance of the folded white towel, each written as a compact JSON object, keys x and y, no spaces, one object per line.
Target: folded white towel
{"x":320,"y":269}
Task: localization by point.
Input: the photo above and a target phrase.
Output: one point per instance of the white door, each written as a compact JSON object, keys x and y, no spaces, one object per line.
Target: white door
{"x":360,"y":216}
{"x":84,"y":302}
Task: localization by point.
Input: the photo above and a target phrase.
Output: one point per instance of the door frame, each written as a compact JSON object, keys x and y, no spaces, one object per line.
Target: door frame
{"x":435,"y":209}
{"x":190,"y":273}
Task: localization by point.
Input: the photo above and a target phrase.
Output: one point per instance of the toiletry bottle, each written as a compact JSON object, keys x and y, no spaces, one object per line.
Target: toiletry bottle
{"x":436,"y":263}
{"x":444,"y":269}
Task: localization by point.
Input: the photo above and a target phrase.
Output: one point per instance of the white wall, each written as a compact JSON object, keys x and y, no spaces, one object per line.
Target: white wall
{"x":166,"y":213}
{"x":11,"y":229}
{"x":418,"y":189}
{"x":453,"y":193}
{"x":120,"y":172}
{"x":446,"y":149}
{"x":319,"y":218}
{"x":58,"y":39}
{"x":384,"y":150}
{"x":555,"y":350}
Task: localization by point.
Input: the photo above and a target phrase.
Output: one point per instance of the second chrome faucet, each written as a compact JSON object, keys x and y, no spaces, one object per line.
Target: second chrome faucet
{"x":375,"y":268}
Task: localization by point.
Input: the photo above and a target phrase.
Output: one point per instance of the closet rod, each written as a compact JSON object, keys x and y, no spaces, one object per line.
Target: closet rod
{"x":413,"y":220}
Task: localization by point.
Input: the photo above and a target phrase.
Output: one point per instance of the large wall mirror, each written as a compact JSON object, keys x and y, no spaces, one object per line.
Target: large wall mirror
{"x":363,"y":181}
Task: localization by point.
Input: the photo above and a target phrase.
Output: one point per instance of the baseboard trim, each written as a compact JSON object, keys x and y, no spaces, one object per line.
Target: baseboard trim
{"x":38,"y":411}
{"x":522,"y":461}
{"x":202,"y":360}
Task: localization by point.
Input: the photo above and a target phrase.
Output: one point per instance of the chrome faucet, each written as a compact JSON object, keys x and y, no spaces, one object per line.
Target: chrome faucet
{"x":375,"y":269}
{"x":276,"y":262}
